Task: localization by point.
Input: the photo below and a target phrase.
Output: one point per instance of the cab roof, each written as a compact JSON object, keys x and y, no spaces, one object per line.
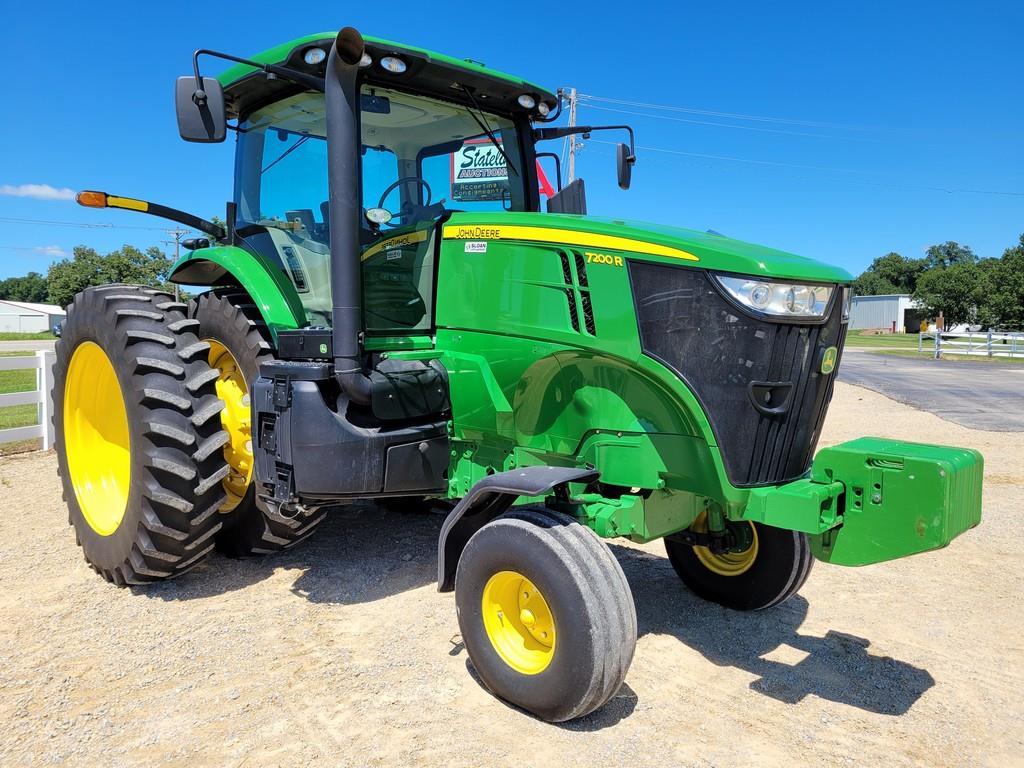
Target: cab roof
{"x":427,"y":71}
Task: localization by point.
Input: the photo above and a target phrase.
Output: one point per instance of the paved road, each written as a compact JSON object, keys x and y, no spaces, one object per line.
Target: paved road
{"x":976,"y":395}
{"x":27,"y":346}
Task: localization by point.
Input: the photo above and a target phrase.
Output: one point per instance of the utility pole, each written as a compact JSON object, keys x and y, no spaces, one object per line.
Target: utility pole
{"x":177,"y":234}
{"x":572,"y":139}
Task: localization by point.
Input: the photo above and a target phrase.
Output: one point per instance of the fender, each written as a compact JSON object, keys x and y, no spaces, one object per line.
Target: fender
{"x":489,"y":498}
{"x":269,"y":288}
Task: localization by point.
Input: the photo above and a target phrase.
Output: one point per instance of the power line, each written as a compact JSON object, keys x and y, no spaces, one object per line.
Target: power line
{"x":753,"y":161}
{"x":713,"y":124}
{"x":728,"y":115}
{"x":770,"y":163}
{"x":78,"y":224}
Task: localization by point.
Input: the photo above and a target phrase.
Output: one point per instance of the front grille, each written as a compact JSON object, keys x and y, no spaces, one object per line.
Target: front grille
{"x":732,"y":360}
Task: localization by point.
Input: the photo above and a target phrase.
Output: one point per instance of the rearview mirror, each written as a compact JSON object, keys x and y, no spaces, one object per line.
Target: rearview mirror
{"x":201,"y":115}
{"x":624,"y":165}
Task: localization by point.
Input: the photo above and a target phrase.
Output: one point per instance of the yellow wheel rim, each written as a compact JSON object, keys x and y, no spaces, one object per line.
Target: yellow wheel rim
{"x":518,"y":622}
{"x":725,"y":563}
{"x":236,"y":418}
{"x":96,"y":438}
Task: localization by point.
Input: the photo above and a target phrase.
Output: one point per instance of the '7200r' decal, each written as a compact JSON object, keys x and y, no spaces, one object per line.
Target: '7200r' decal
{"x":604,"y":258}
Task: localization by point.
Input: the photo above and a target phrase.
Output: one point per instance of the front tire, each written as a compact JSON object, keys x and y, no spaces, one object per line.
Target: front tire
{"x":546,"y":614}
{"x":137,"y":434}
{"x":239,"y":343}
{"x":769,"y":571}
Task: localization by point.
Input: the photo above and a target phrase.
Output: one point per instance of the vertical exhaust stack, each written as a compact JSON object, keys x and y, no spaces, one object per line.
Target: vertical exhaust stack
{"x":343,"y":172}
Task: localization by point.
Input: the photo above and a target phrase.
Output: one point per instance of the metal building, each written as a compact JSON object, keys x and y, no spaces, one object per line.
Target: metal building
{"x":26,"y":317}
{"x":892,"y":312}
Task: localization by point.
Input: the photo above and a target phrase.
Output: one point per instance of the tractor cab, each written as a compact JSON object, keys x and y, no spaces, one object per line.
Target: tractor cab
{"x":421,"y":160}
{"x":434,"y":136}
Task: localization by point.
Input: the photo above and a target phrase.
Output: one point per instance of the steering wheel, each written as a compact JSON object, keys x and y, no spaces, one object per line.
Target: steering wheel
{"x":408,"y":212}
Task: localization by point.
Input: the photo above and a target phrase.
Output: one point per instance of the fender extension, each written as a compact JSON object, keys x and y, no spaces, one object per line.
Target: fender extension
{"x":489,"y":498}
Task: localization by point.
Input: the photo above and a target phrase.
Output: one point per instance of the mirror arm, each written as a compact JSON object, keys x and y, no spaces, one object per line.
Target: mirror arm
{"x":199,"y":97}
{"x":544,"y":134}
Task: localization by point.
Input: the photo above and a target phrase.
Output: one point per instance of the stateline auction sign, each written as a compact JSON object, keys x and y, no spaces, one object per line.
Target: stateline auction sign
{"x":479,"y":173}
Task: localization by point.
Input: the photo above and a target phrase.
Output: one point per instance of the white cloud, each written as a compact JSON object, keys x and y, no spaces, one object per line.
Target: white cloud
{"x":53,"y":251}
{"x":38,"y":191}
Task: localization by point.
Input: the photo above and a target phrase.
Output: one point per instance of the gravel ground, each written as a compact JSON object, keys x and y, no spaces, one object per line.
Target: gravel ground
{"x":343,"y":653}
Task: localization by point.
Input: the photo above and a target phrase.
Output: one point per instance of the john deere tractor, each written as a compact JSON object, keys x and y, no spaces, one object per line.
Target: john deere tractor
{"x":402,"y":305}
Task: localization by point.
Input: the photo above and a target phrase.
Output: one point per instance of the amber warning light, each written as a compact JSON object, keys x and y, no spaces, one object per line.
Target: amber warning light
{"x":92,"y":199}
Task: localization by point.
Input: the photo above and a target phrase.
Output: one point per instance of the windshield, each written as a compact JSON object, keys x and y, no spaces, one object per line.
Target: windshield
{"x":433,"y":155}
{"x":421,"y":158}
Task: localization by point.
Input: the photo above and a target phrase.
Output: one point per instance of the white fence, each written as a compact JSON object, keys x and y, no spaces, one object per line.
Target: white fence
{"x":42,"y":362}
{"x":988,"y":343}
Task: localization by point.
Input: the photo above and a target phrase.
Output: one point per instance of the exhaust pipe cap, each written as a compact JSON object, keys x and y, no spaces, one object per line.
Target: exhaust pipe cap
{"x":350,"y":46}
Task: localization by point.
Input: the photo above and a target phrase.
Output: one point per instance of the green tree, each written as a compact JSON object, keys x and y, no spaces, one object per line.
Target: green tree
{"x":872,"y":284}
{"x":956,"y":292}
{"x":31,"y":287}
{"x":87,"y":268}
{"x":891,"y":273}
{"x":1004,"y":290}
{"x":948,"y":254}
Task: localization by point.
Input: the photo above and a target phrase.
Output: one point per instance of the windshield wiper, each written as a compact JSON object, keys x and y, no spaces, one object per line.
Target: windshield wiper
{"x":292,"y":148}
{"x":481,"y":120}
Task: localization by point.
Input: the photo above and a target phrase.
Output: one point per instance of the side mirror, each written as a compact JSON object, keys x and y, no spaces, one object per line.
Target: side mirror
{"x":201,"y":114}
{"x":624,"y":165}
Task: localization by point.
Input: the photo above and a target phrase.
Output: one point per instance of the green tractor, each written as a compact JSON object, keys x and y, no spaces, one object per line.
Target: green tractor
{"x":390,"y":315}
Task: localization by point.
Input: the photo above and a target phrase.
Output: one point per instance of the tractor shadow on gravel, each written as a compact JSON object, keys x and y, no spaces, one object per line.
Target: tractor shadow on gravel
{"x":836,"y":667}
{"x":363,"y":553}
{"x":358,"y":554}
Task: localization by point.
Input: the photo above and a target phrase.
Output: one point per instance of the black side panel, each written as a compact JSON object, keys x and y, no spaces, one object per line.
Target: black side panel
{"x":306,"y":450}
{"x":760,"y":383}
{"x":415,"y":466}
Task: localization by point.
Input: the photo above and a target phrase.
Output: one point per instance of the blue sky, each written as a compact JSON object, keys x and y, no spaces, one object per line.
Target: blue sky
{"x":839,"y":131}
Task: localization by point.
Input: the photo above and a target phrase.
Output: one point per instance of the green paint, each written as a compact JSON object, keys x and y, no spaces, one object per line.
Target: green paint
{"x":901,"y":498}
{"x":713,"y":251}
{"x":803,"y":505}
{"x":265,"y":282}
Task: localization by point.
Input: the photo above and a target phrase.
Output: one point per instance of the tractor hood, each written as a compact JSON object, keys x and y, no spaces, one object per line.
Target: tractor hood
{"x":654,"y":242}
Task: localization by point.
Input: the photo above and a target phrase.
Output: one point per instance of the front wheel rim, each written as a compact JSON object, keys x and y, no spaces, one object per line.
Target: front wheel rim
{"x":725,"y":563}
{"x":518,"y":622}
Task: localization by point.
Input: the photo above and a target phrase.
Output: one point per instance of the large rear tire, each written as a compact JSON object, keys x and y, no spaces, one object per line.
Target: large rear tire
{"x":546,"y":613}
{"x":239,"y":342}
{"x":137,"y":434}
{"x":769,"y":571}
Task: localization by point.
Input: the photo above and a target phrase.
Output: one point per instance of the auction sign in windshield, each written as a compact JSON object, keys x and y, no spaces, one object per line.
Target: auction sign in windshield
{"x":479,"y":173}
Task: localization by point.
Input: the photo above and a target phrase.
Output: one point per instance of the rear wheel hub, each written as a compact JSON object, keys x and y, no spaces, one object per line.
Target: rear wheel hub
{"x":96,"y":438}
{"x":236,"y":418}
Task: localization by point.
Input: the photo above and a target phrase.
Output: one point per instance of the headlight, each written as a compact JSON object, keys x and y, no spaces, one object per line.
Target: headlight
{"x":772,"y":297}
